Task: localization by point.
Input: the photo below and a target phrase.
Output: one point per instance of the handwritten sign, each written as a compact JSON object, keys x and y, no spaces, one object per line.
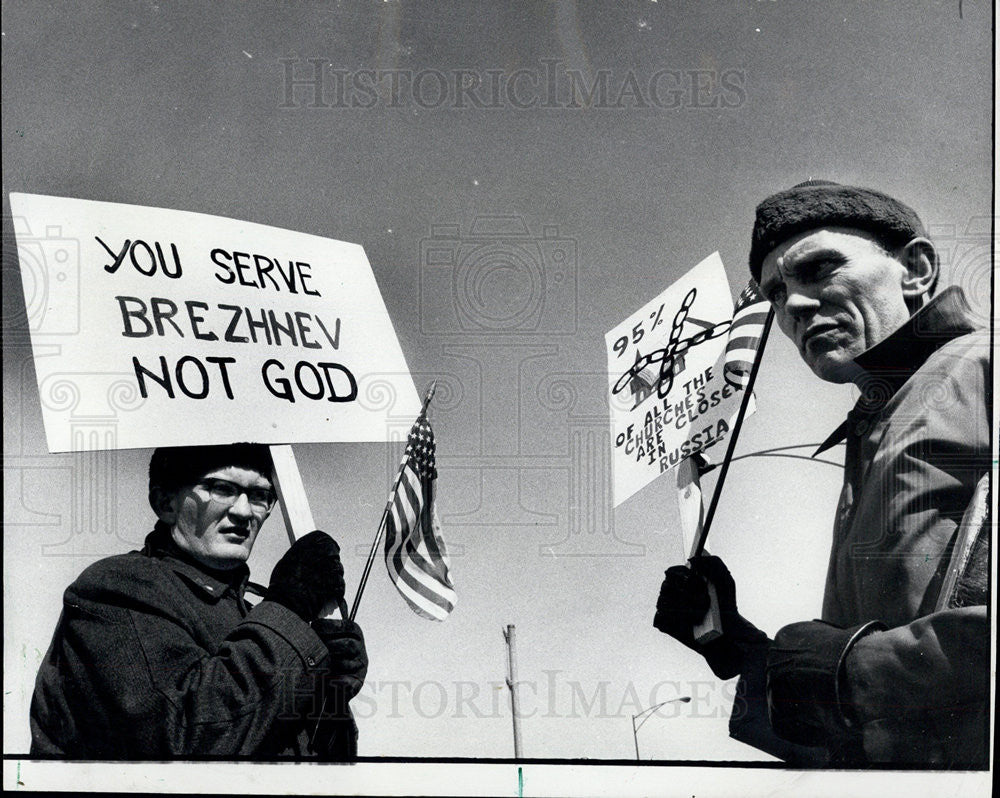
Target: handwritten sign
{"x":668,"y":396}
{"x":155,"y":327}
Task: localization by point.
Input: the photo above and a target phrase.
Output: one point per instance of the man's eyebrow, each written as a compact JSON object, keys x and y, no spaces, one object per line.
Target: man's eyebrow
{"x":794,"y":267}
{"x":814,"y":258}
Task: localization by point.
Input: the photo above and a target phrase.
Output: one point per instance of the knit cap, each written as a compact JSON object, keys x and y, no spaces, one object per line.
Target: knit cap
{"x":821,"y":203}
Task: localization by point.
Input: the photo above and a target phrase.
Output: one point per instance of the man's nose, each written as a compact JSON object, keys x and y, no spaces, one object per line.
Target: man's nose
{"x":799,"y":303}
{"x":241,"y":507}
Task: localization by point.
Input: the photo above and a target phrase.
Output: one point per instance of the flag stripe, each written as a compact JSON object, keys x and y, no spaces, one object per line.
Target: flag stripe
{"x":437,"y":553}
{"x":428,"y":593}
{"x":415,"y":554}
{"x":419,"y":603}
{"x":406,"y":518}
{"x":405,"y":573}
{"x":394,"y":525}
{"x":410,"y":573}
{"x":430,"y":600}
{"x":744,"y":355}
{"x":428,"y":564}
{"x":747,"y":327}
{"x":744,"y":343}
{"x":425,"y":566}
{"x":417,"y":579}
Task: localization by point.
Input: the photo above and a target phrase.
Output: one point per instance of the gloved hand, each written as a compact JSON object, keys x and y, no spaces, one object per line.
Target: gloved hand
{"x":683,"y":602}
{"x":309,"y":577}
{"x":805,"y":688}
{"x":347,"y":664}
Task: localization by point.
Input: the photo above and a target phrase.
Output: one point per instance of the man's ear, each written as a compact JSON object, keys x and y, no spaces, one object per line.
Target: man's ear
{"x":163,"y":504}
{"x":921,"y":261}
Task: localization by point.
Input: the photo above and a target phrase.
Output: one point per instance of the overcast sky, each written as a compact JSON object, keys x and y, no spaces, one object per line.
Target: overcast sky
{"x":441,"y":114}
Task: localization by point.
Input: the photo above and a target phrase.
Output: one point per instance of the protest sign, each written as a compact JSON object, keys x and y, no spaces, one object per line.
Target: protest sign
{"x":669,"y":397}
{"x":179,"y":328}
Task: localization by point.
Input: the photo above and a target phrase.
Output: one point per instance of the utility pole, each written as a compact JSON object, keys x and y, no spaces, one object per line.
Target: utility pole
{"x":508,"y":636}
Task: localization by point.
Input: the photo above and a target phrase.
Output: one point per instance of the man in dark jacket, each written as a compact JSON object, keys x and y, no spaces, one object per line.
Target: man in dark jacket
{"x":157,"y":655}
{"x":897,"y":669}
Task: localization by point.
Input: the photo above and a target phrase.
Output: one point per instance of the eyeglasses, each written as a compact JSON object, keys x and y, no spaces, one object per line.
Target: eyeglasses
{"x":223,"y":491}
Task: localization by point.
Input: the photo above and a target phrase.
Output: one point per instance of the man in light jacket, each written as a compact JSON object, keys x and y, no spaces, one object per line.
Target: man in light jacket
{"x":897,"y":669}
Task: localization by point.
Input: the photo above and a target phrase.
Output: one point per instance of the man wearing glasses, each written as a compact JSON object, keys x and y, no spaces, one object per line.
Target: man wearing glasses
{"x":157,"y":655}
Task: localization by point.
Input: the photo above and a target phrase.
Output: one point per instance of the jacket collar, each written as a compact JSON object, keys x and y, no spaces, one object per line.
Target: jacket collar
{"x":210,"y":582}
{"x":888,"y":364}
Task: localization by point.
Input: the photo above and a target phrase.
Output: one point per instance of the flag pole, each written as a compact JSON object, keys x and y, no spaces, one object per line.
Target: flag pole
{"x":699,"y":545}
{"x":385,"y":516}
{"x":374,"y":552}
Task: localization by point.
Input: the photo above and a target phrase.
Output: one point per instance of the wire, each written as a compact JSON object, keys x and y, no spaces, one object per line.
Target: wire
{"x":773,"y":453}
{"x":795,"y":446}
{"x":770,"y":453}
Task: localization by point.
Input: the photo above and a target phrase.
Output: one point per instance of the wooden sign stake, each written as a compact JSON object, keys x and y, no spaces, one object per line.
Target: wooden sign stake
{"x":291,"y":493}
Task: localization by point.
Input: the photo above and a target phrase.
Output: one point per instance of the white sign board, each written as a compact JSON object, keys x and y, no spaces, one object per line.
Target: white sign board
{"x":668,"y":396}
{"x":154,"y":327}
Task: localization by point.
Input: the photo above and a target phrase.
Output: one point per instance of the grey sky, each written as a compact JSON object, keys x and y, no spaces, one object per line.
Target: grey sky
{"x":186,"y":105}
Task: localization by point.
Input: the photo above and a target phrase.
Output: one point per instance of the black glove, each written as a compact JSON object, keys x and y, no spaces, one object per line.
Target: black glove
{"x":347,"y":664}
{"x":805,"y":700}
{"x":683,"y":602}
{"x":309,"y":577}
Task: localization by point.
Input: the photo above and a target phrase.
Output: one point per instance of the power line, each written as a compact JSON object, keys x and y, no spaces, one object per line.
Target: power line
{"x":776,"y":452}
{"x":793,"y":456}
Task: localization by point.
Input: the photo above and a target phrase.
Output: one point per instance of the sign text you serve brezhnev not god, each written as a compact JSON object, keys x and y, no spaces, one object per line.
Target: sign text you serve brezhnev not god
{"x":186,"y":328}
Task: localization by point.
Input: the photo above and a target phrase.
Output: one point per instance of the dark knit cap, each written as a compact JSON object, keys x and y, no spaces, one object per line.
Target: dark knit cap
{"x":175,"y":467}
{"x":820,"y":203}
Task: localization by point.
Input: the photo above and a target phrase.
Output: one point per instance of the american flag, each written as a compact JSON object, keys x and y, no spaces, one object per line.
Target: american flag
{"x":749,"y":316}
{"x":415,"y":554}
